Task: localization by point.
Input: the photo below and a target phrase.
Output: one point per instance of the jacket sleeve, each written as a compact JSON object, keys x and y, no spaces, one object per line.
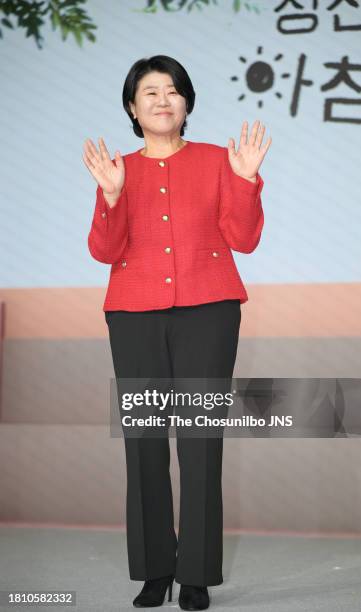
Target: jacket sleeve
{"x":240,"y":216}
{"x":108,"y":235}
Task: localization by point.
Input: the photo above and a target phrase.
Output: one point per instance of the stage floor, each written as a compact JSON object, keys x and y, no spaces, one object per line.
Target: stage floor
{"x":262,"y":573}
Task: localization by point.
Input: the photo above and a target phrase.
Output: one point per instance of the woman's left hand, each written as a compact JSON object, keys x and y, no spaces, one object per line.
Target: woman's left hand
{"x":246,"y":161}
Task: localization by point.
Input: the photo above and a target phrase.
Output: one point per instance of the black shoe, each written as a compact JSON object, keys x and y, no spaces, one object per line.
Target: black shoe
{"x":153,"y":592}
{"x":193,"y":597}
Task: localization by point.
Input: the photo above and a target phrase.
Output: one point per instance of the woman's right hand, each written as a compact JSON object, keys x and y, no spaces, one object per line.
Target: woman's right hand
{"x":110,"y":177}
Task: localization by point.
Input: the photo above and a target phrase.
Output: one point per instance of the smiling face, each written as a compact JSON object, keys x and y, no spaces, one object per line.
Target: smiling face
{"x":159,"y":108}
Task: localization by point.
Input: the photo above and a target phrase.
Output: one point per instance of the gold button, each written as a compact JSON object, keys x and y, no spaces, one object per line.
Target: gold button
{"x":215,"y":254}
{"x":165,"y":217}
{"x":163,"y":189}
{"x":104,"y":215}
{"x":168,"y":279}
{"x":162,"y":163}
{"x":167,"y":249}
{"x":124,"y":263}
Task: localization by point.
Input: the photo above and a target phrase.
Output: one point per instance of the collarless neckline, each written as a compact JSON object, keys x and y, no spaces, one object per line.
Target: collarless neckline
{"x":168,"y":156}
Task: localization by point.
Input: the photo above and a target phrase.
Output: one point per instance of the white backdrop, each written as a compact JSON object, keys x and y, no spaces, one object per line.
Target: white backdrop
{"x":54,"y":98}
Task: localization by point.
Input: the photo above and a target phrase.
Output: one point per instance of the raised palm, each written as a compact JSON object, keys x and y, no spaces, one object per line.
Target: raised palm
{"x":108,"y":175}
{"x":247,"y":160}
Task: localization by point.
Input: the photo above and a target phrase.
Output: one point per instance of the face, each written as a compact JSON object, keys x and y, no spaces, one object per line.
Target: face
{"x":159,"y":108}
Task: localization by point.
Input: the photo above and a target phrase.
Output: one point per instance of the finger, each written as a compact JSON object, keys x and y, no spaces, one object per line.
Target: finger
{"x":244,"y":134}
{"x":87,"y":161}
{"x":253,"y":136}
{"x":260,"y":135}
{"x":90,"y":146}
{"x":95,"y":158}
{"x":104,"y":153}
{"x":89,"y":155}
{"x":266,"y":146}
{"x":94,"y":171}
{"x":231,"y":146}
{"x":91,"y":151}
{"x":118,"y":157}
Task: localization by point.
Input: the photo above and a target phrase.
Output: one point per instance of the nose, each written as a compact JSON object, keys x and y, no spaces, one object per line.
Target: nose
{"x":163,"y":100}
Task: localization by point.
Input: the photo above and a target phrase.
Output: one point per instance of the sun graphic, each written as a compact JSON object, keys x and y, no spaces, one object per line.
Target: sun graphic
{"x":260,"y":76}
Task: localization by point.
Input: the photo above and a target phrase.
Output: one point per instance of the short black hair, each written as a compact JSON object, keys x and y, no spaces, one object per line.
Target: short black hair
{"x":159,"y":63}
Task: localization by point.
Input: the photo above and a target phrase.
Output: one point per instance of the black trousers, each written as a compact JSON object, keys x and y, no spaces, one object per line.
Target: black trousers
{"x":182,"y":341}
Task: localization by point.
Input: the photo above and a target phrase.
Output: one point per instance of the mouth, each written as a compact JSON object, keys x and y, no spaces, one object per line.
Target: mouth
{"x":165,"y":113}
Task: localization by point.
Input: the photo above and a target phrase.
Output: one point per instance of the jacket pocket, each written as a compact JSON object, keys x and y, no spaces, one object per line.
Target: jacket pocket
{"x":218,"y":261}
{"x":129,"y":262}
{"x":218,"y":256}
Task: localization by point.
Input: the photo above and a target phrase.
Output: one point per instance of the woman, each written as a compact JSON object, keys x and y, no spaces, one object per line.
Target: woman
{"x":166,"y":217}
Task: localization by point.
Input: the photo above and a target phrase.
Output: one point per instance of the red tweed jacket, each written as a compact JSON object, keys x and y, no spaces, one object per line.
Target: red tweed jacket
{"x":169,"y":236}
